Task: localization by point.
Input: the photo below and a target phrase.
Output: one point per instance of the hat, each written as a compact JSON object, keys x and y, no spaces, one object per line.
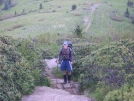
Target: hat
{"x":65,"y":43}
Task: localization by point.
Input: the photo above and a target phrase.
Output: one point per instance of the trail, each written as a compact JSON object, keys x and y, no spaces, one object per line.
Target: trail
{"x":92,"y":8}
{"x":58,"y":92}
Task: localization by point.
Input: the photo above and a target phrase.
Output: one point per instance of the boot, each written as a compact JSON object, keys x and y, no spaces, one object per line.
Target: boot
{"x":65,"y":78}
{"x":69,"y":78}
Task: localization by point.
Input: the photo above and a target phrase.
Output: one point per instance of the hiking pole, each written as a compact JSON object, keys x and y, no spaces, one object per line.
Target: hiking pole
{"x":57,"y":68}
{"x":57,"y":65}
{"x":57,"y":71}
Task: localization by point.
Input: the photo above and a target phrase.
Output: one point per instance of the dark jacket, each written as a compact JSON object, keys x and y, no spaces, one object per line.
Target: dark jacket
{"x":66,"y":54}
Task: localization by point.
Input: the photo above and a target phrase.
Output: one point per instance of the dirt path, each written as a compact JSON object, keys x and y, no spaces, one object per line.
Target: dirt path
{"x":58,"y":92}
{"x":92,"y":8}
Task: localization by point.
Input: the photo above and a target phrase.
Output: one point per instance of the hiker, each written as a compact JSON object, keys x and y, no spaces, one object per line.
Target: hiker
{"x":67,"y":60}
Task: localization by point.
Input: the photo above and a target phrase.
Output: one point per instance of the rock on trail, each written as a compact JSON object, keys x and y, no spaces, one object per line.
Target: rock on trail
{"x":51,"y":63}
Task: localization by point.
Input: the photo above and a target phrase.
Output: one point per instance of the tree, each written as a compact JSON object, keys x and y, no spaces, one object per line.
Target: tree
{"x":78,"y":31}
{"x":23,"y":11}
{"x":41,"y":7}
{"x":9,"y":2}
{"x":6,"y":5}
{"x":15,"y":13}
{"x":128,"y":2}
{"x":74,"y":7}
{"x":132,"y":21}
{"x":127,"y":13}
{"x":1,"y":1}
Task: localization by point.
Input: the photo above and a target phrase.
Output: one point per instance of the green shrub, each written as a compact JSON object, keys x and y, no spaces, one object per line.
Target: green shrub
{"x":56,"y":71}
{"x":31,"y":52}
{"x":132,"y":21}
{"x":100,"y":92}
{"x":74,"y":7}
{"x":126,"y":93}
{"x":78,"y":31}
{"x":113,"y":64}
{"x":81,"y":50}
{"x":15,"y":73}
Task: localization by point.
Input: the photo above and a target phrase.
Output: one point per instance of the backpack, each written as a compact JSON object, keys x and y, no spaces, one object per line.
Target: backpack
{"x":70,"y":46}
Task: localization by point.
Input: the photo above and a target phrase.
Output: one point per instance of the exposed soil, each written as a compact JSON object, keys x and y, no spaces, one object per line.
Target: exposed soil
{"x":59,"y":92}
{"x":92,"y":8}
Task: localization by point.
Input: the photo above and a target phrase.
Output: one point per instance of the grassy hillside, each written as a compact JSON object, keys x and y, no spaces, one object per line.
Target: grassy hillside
{"x":102,"y":24}
{"x":63,"y":19}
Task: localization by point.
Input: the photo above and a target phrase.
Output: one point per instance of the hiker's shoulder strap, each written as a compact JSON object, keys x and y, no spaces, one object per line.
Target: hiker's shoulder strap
{"x":70,"y":50}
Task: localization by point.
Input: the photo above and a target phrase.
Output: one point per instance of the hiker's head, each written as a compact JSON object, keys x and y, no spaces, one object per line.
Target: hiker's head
{"x":65,"y":45}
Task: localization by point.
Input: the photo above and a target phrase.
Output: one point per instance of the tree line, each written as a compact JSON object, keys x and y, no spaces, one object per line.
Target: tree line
{"x":8,"y":4}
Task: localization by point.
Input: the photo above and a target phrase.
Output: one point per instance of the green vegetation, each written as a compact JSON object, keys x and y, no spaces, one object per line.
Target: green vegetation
{"x":78,"y":31}
{"x":22,"y":67}
{"x":16,"y":76}
{"x":103,"y":68}
{"x":104,"y":61}
{"x":125,"y":93}
{"x":74,"y":7}
{"x":37,"y":22}
{"x":56,"y":71}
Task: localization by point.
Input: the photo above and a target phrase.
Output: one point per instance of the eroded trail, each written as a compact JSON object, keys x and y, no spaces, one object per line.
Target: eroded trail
{"x":92,"y":8}
{"x":58,"y":92}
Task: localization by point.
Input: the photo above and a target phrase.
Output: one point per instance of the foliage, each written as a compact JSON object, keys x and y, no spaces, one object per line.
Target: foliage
{"x":15,"y":73}
{"x":81,"y":50}
{"x":127,"y":14}
{"x":6,"y":5}
{"x":78,"y":31}
{"x":45,"y":54}
{"x":125,"y":93}
{"x":56,"y":71}
{"x":29,"y":50}
{"x":113,"y":64}
{"x":1,"y":1}
{"x":74,"y":7}
{"x":130,"y":3}
{"x":102,"y":67}
{"x":40,"y":80}
{"x":100,"y":91}
{"x":132,"y":21}
{"x":41,"y":7}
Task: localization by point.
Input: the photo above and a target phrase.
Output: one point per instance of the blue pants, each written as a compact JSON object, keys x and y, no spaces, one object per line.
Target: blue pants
{"x":65,"y":65}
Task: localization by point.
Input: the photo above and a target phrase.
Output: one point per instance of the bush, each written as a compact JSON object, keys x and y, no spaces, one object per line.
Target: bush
{"x":127,"y":14}
{"x":6,"y":5}
{"x":28,"y":48}
{"x":16,"y":76}
{"x":100,"y":92}
{"x":81,"y":50}
{"x":74,"y":7}
{"x":15,"y":13}
{"x":112,"y":64}
{"x":126,"y":93}
{"x":41,"y":7}
{"x":132,"y":21}
{"x":78,"y":31}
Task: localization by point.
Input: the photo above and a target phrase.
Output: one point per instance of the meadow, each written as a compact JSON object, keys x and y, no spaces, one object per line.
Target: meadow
{"x":102,"y":46}
{"x":103,"y":25}
{"x":57,"y":17}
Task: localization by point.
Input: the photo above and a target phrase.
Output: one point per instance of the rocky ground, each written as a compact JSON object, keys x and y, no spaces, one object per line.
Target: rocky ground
{"x":59,"y":92}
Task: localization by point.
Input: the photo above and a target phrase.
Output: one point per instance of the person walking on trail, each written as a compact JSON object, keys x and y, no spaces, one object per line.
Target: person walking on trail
{"x":67,"y":60}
